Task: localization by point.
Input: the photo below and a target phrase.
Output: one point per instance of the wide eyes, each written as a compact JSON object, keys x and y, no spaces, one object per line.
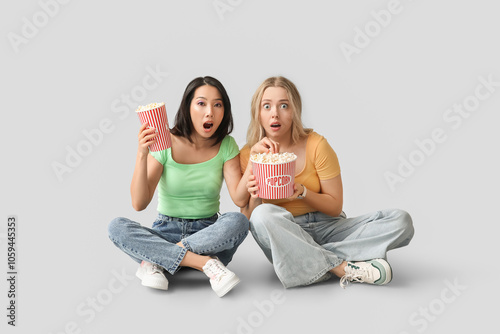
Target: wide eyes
{"x":267,"y":106}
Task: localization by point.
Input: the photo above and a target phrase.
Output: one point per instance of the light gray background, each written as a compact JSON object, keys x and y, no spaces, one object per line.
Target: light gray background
{"x":70,"y":76}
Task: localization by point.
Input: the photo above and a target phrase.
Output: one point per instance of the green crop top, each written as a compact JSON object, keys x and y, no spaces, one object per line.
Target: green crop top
{"x":192,"y":191}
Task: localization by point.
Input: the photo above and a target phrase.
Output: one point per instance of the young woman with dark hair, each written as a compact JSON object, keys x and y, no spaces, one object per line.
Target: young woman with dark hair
{"x":183,"y":123}
{"x":189,"y":231}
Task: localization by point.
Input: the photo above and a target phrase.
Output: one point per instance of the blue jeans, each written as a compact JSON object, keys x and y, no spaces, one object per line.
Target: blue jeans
{"x":215,"y":236}
{"x":303,"y":249}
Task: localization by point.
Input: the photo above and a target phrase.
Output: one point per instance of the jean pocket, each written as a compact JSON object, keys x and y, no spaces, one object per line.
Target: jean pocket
{"x":159,"y":223}
{"x":199,"y":225}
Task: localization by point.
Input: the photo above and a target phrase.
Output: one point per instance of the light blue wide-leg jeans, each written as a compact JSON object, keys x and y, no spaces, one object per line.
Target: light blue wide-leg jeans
{"x":305,"y":248}
{"x":216,"y":236}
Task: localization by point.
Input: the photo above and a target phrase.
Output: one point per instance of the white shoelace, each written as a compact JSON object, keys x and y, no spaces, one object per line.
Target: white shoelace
{"x":215,"y":271}
{"x":156,"y":269}
{"x":153,"y":268}
{"x":353,"y":275}
{"x":348,"y":278}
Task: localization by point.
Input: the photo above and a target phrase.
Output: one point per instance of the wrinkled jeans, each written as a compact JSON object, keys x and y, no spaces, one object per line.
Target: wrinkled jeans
{"x":215,"y":236}
{"x":303,"y":249}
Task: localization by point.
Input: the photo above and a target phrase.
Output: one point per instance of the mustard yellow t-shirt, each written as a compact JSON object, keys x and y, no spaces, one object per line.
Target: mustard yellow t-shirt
{"x":321,"y":164}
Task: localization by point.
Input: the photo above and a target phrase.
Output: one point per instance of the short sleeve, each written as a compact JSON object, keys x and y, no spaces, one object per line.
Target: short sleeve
{"x":229,"y":148}
{"x":326,"y":161}
{"x":160,"y":156}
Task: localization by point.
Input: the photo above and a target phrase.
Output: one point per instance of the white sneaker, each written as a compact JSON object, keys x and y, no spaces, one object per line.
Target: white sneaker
{"x":152,"y":276}
{"x":376,"y":271}
{"x":222,"y":279}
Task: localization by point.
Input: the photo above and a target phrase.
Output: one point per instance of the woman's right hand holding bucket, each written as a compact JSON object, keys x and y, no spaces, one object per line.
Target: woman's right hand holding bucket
{"x":147,"y":136}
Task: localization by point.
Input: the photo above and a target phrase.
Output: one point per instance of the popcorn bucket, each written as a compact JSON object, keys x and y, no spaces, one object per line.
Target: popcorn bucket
{"x":275,"y":180}
{"x":155,"y":115}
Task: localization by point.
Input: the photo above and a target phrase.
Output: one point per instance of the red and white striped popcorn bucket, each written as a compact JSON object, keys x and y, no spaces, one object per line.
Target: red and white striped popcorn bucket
{"x":275,"y":180}
{"x":155,"y":115}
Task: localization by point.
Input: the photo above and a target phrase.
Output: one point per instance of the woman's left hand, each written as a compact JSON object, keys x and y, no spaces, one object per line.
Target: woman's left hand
{"x":298,"y":189}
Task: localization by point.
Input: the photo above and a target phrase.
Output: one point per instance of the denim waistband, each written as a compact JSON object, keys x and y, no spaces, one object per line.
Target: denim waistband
{"x":316,"y":216}
{"x":169,"y":218}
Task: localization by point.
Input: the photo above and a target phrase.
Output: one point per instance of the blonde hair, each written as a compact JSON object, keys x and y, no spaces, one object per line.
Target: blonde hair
{"x":256,"y":131}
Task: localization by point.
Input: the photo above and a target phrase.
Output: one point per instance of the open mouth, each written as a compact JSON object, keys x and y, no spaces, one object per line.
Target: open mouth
{"x":208,"y":126}
{"x":275,"y":126}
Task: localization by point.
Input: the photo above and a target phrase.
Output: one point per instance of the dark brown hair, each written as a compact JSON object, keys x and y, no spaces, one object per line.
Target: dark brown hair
{"x":183,"y":122}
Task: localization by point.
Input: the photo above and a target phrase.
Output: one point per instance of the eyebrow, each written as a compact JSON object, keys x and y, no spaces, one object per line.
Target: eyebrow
{"x":204,"y":98}
{"x":282,"y":100}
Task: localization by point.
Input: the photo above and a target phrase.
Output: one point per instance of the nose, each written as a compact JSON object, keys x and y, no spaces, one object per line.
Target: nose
{"x":274,"y":112}
{"x":209,"y":112}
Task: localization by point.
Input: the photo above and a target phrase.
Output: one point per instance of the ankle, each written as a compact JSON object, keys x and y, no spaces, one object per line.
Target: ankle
{"x":194,"y":260}
{"x":339,"y":270}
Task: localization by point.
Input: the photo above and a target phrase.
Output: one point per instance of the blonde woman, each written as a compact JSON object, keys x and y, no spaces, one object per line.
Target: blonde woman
{"x":308,"y":237}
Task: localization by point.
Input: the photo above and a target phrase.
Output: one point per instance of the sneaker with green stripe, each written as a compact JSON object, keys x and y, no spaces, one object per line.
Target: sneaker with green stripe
{"x":377,"y":271}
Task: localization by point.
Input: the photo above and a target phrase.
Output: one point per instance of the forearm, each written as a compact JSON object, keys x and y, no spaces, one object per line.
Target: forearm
{"x":252,"y":204}
{"x":324,"y":203}
{"x":139,"y":189}
{"x":242,"y":195}
{"x":235,"y":182}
